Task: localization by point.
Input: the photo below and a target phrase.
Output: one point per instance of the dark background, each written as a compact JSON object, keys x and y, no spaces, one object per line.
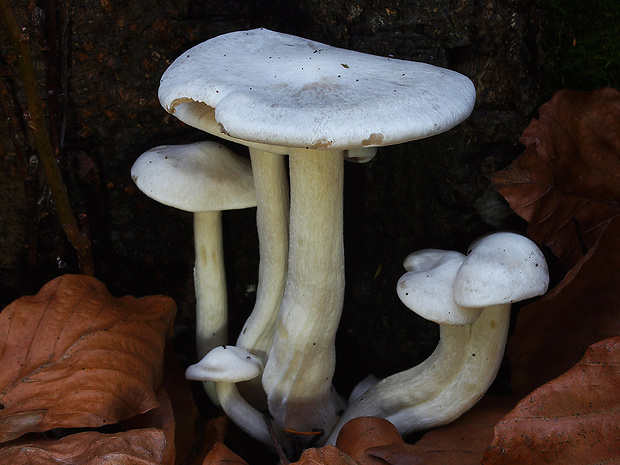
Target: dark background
{"x":99,"y":64}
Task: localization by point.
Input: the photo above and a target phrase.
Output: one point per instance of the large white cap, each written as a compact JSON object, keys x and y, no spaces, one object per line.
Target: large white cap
{"x":501,"y":268}
{"x":272,"y":88}
{"x":199,"y":177}
{"x":230,"y":364}
{"x":427,"y":287}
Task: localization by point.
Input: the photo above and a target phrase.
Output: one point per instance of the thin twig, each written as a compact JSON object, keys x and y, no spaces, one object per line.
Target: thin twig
{"x":274,"y":439}
{"x":19,"y":40}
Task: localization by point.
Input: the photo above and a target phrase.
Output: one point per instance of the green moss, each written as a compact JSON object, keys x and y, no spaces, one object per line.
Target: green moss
{"x":584,"y":44}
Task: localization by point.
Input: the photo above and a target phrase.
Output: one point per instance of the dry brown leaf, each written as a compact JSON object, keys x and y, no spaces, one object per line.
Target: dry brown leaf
{"x":552,"y":334}
{"x":136,"y":447}
{"x":161,"y":418}
{"x":222,"y":455}
{"x":575,"y":419}
{"x":567,"y":183}
{"x":326,"y":455}
{"x":75,"y":356}
{"x":183,"y":406}
{"x":362,"y":433}
{"x":214,"y":432}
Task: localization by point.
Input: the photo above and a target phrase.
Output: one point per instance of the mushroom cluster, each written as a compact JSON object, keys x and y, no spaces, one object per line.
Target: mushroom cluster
{"x":285,"y":96}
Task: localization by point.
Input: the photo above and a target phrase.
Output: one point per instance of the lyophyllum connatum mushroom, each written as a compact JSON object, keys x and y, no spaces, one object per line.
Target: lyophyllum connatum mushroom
{"x":205,"y":178}
{"x":280,"y":94}
{"x":226,"y":366}
{"x":500,"y":269}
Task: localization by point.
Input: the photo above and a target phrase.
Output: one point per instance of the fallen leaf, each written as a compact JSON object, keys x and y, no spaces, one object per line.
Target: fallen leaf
{"x":214,"y":432}
{"x":75,"y":356}
{"x":326,"y":455}
{"x":362,"y":433}
{"x":136,"y":447}
{"x":567,"y":182}
{"x":574,"y":419}
{"x":552,"y":333}
{"x":161,"y":418}
{"x":222,"y":455}
{"x":184,"y":408}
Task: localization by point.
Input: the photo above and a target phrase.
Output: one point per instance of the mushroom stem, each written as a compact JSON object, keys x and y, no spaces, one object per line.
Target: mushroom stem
{"x":242,"y":413}
{"x":445,"y":385}
{"x":297,"y":377}
{"x":271,"y":186}
{"x":209,"y":282}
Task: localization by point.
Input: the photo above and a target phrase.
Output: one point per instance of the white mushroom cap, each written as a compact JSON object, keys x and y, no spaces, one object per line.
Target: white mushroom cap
{"x":266,"y":87}
{"x":427,"y":287}
{"x":501,"y":268}
{"x":226,"y":363}
{"x":199,"y":177}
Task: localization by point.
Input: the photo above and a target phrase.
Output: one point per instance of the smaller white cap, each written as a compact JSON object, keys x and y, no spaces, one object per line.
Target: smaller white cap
{"x":199,"y":177}
{"x":230,"y":364}
{"x":426,"y":288}
{"x":501,"y":268}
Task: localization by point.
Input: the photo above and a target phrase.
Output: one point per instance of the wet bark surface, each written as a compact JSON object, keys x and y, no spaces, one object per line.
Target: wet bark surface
{"x":103,"y":60}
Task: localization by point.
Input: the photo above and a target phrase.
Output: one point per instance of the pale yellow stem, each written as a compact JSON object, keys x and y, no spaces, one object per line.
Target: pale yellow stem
{"x":210,"y":283}
{"x":272,"y":211}
{"x":444,"y":386}
{"x":298,"y":374}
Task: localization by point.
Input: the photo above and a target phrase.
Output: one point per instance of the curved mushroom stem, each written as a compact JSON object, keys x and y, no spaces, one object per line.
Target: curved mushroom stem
{"x":241,"y":413}
{"x":271,"y":186}
{"x":298,"y":374}
{"x":445,"y":385}
{"x":210,"y":283}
